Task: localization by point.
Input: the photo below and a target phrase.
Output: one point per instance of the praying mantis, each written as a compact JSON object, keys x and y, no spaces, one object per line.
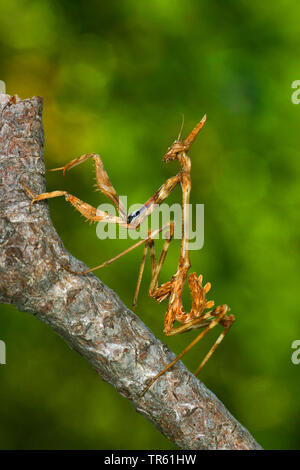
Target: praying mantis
{"x":203,"y":315}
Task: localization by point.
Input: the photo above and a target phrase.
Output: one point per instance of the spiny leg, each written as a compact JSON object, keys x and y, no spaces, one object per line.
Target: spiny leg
{"x":220,"y":312}
{"x":88,"y":211}
{"x":43,"y":196}
{"x":103,"y":182}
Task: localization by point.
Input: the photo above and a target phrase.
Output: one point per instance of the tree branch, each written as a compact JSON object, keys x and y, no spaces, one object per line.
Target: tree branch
{"x":82,"y":310}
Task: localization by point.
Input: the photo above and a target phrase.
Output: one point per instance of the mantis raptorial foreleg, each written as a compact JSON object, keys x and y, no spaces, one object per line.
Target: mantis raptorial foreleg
{"x":89,"y":212}
{"x":102,"y":180}
{"x":132,"y":221}
{"x":104,"y":185}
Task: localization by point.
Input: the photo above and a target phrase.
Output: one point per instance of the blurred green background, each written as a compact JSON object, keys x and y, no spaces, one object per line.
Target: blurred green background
{"x":116,"y":78}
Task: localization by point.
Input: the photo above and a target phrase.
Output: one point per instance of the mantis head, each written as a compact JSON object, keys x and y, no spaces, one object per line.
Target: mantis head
{"x":180,"y":146}
{"x":174,"y":151}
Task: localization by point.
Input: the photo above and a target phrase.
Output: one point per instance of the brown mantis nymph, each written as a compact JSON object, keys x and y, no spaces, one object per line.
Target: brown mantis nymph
{"x":202,"y":314}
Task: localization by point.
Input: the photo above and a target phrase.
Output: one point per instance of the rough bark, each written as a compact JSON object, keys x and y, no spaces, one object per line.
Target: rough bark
{"x":83,"y":311}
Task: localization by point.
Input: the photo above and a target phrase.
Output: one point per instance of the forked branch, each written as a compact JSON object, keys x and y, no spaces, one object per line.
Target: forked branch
{"x":86,"y":313}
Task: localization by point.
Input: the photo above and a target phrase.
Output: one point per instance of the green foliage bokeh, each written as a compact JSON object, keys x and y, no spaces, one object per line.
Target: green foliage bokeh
{"x":116,"y":78}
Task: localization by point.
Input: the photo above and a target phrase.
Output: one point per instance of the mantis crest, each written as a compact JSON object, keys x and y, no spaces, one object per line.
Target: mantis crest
{"x":203,"y":315}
